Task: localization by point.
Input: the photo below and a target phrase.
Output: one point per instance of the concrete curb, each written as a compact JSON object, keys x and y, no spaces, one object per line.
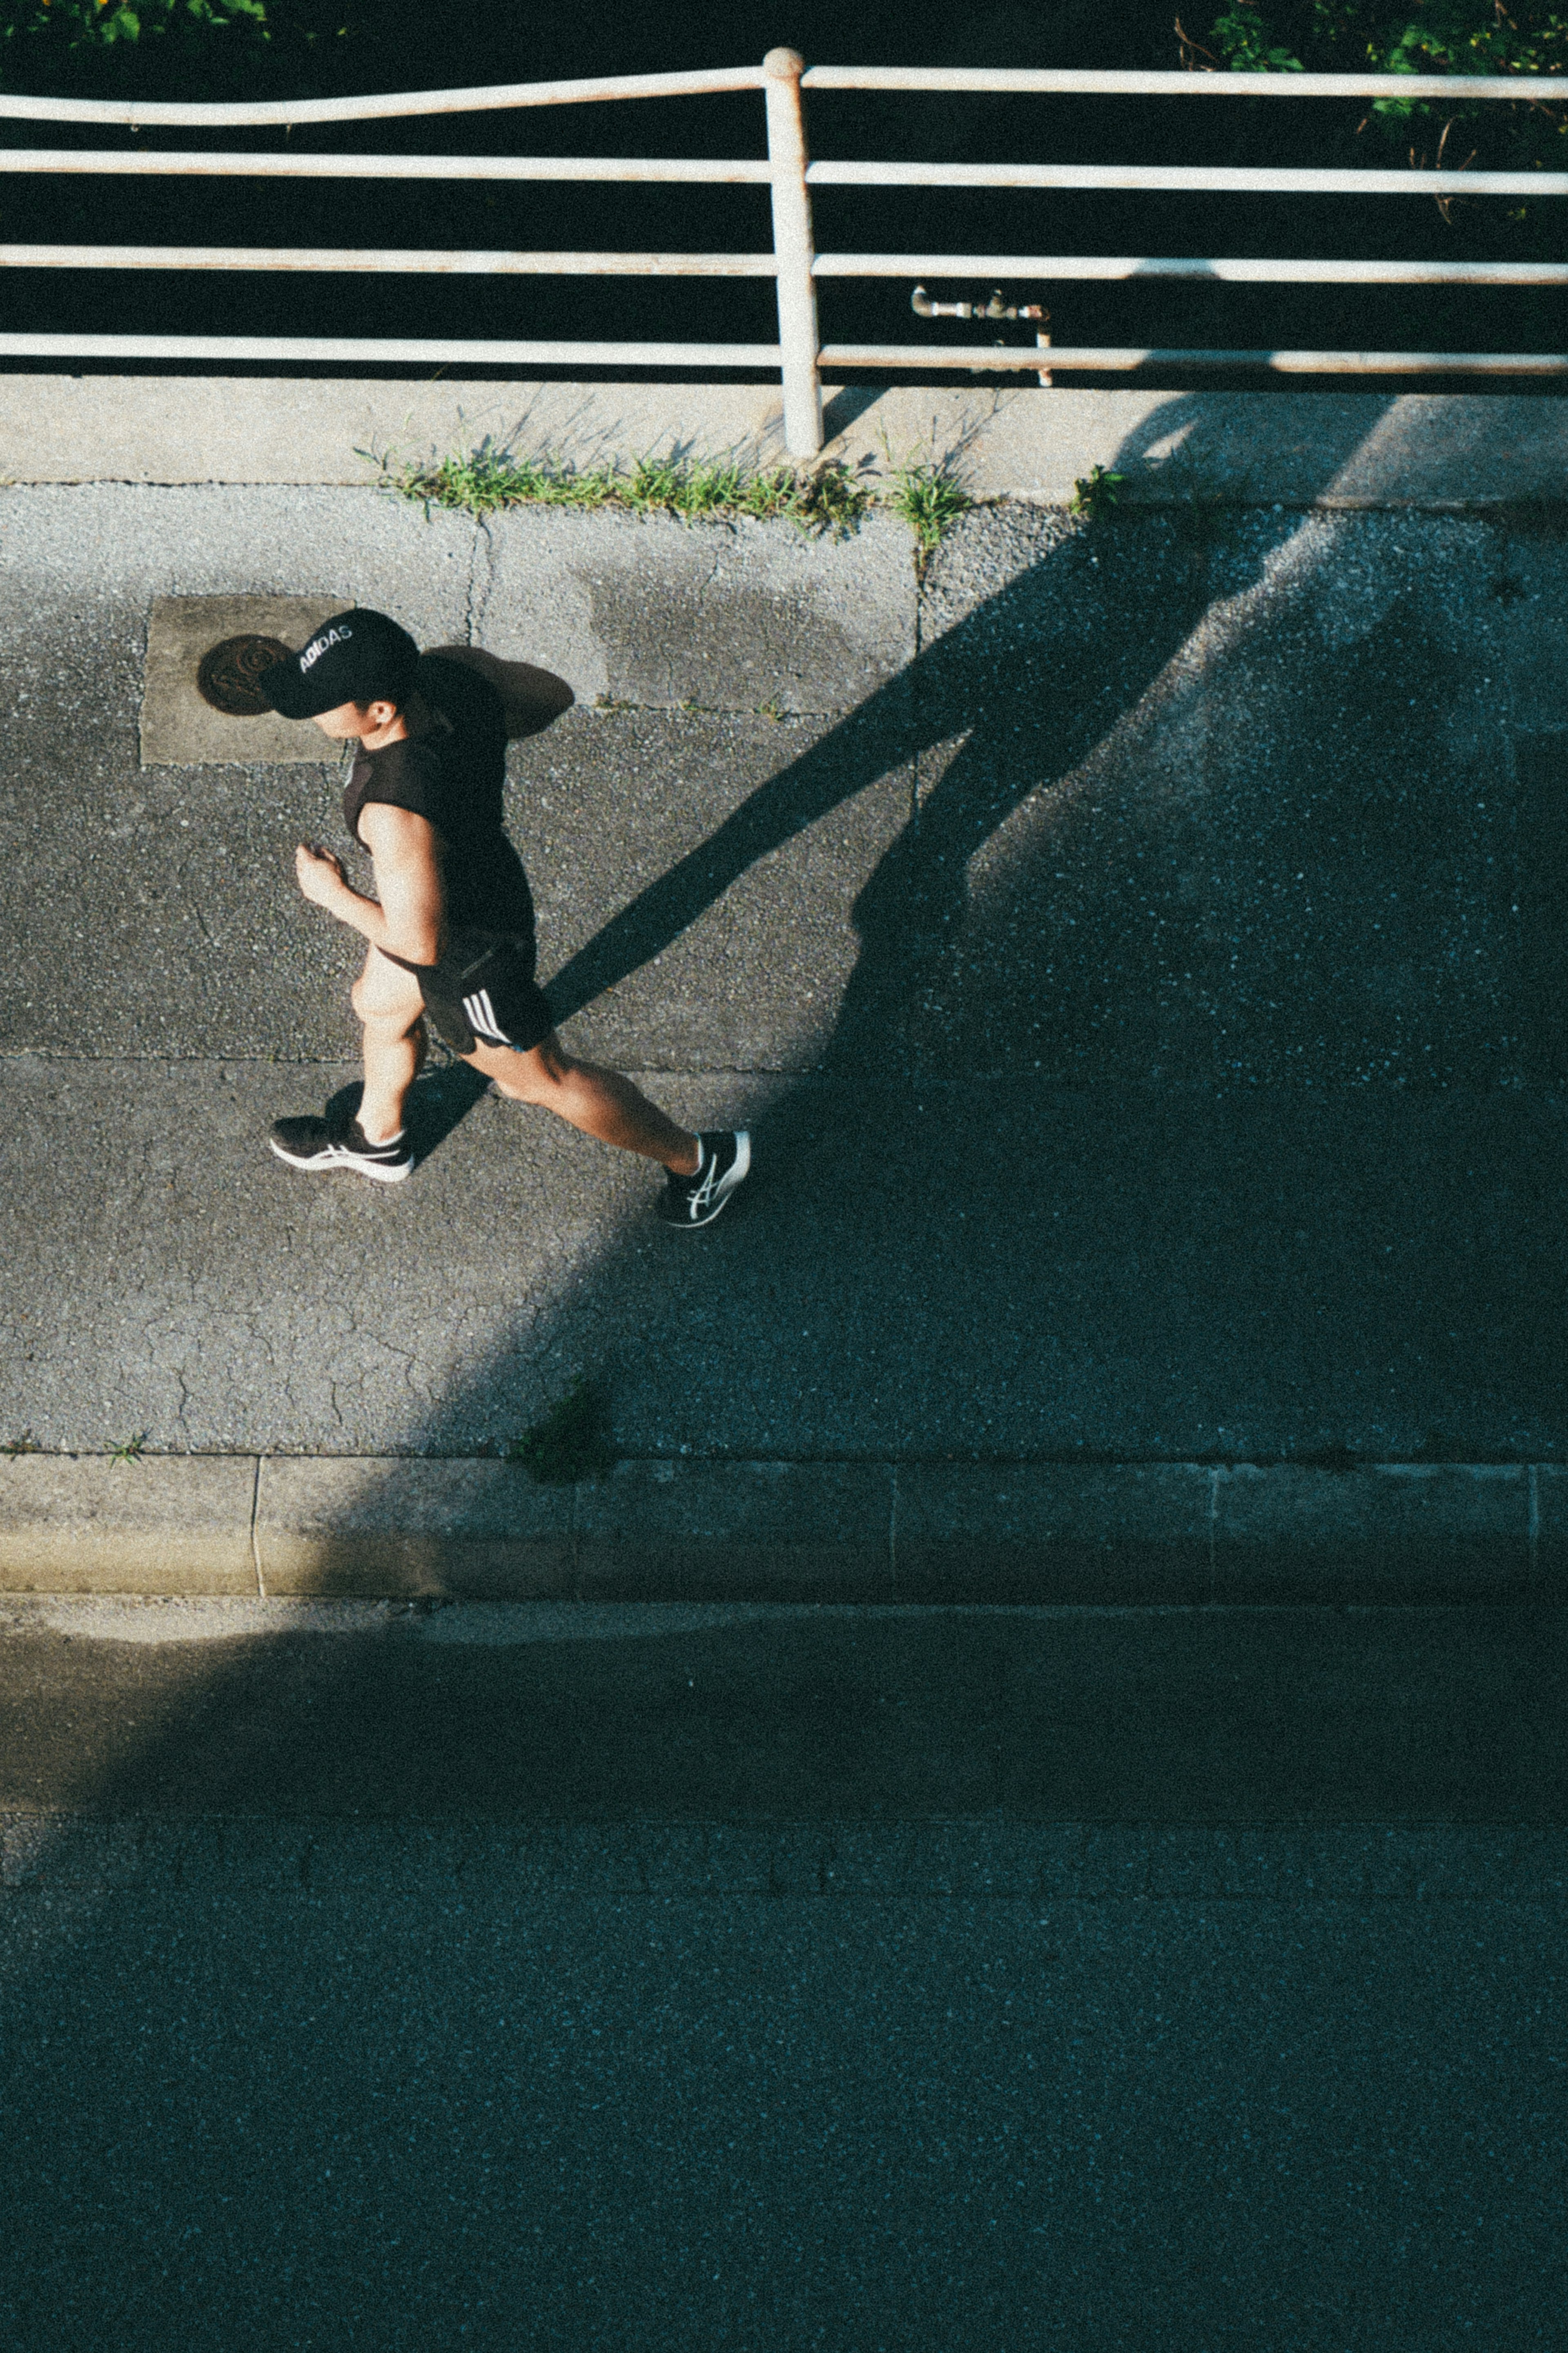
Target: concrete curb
{"x":670,"y":1531}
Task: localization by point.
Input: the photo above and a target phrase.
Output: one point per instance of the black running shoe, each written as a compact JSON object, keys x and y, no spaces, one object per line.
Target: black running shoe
{"x":329,"y":1143}
{"x":696,"y":1200}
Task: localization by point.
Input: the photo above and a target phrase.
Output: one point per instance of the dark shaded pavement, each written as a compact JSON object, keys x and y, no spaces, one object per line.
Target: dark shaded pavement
{"x":572,"y":1978}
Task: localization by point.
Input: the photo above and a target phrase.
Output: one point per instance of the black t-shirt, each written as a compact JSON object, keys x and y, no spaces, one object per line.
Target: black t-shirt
{"x":452,"y":772}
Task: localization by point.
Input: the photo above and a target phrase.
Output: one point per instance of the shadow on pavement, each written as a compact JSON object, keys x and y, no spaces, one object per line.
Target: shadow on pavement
{"x":441,"y":1990}
{"x":1176,"y":1104}
{"x":1023,"y":1205}
{"x":628,"y":1714}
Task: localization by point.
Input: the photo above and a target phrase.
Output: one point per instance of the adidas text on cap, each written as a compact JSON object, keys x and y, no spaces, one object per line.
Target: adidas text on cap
{"x":356,"y":656}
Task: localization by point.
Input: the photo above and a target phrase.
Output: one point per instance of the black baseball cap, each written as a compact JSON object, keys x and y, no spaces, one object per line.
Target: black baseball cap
{"x":356,"y":656}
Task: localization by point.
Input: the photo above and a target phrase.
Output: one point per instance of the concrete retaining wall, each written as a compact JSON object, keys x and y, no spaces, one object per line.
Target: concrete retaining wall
{"x":1349,"y":448}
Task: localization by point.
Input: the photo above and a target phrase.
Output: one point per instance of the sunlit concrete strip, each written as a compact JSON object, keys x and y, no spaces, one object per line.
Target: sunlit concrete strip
{"x":84,"y":1523}
{"x":1441,"y":450}
{"x":478,"y":1529}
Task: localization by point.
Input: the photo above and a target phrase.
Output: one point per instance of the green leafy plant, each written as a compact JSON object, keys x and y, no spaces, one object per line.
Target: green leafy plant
{"x":130,"y":1448}
{"x":1457,"y":37}
{"x":75,"y":25}
{"x":1095,"y":495}
{"x":570,"y":1443}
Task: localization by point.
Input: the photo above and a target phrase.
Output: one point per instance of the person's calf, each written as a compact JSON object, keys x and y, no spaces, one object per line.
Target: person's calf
{"x":394,"y":1054}
{"x":599,"y":1103}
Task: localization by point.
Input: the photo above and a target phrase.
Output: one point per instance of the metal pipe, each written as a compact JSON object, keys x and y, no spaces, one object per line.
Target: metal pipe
{"x":1251,"y":180}
{"x":994,"y":307}
{"x":982,"y":359}
{"x":793,"y":251}
{"x":392,"y":259}
{"x":482,"y":98}
{"x":166,"y":162}
{"x":426,"y":349}
{"x":1172,"y":82}
{"x":1021,"y":358}
{"x":1115,"y":266}
{"x":1017,"y":358}
{"x":488,"y":98}
{"x":158,"y":163}
{"x":1030,"y":266}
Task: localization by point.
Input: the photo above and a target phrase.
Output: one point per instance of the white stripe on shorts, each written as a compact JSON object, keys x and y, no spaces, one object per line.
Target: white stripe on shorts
{"x":482,"y":1018}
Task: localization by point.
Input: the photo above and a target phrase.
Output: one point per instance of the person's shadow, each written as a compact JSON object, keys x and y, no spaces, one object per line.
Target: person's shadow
{"x":1004,"y":705}
{"x":1122,"y":745}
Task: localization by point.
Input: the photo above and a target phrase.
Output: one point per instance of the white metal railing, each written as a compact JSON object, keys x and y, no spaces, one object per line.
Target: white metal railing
{"x":794,"y":264}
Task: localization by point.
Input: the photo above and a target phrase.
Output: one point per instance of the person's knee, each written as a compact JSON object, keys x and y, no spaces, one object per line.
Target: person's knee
{"x":386,"y":1020}
{"x":391,"y":1029}
{"x":542,"y":1076}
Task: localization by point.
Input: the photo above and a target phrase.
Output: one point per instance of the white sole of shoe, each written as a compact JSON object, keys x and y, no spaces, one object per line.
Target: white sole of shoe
{"x":725,"y":1186}
{"x":334,"y":1159}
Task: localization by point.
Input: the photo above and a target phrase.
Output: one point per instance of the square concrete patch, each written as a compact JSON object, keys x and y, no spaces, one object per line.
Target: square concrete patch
{"x":178,"y":728}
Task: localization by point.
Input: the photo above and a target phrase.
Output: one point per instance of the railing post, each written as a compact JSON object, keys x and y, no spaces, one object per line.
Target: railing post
{"x":794,"y":253}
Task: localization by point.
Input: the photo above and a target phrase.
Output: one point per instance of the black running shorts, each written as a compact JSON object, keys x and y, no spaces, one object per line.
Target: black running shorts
{"x":483,"y":993}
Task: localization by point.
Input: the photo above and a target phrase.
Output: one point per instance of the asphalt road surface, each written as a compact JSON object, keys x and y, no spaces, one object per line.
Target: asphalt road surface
{"x":573,"y":1977}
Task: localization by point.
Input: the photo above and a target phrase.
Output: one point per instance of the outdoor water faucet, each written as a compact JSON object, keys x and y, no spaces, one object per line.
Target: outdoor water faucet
{"x":924,"y":308}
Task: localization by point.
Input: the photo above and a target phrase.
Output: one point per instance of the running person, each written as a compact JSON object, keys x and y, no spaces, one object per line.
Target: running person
{"x":450,"y":929}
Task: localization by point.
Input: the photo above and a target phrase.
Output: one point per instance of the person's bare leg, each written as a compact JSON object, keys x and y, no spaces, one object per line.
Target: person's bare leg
{"x":601,"y":1102}
{"x":388,"y":1003}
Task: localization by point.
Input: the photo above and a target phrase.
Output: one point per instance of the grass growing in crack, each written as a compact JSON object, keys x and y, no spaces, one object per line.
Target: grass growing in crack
{"x":25,"y":1444}
{"x":930,"y":500}
{"x":570,"y":1443}
{"x":130,"y":1448}
{"x":828,"y":501}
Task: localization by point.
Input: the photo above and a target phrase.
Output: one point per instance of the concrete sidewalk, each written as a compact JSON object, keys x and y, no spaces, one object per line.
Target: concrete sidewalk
{"x":1137,"y":950}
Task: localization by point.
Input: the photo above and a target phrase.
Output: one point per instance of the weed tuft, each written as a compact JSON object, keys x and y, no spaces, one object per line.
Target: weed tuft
{"x":829,"y":502}
{"x":130,"y":1448}
{"x":570,"y":1443}
{"x":1096,"y":495}
{"x":929,"y":498}
{"x":25,"y":1444}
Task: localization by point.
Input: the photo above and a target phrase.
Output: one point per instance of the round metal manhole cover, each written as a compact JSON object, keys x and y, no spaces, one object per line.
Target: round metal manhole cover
{"x":228,"y":672}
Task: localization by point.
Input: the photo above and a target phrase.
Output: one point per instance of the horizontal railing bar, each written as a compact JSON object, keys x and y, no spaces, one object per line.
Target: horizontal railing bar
{"x":422,"y":260}
{"x":1028,"y":358}
{"x":1110,"y":266}
{"x":481,"y":99}
{"x":1211,"y":178}
{"x":490,"y":98}
{"x":180,"y":162}
{"x":1014,"y":358}
{"x":394,"y":260}
{"x":391,"y":350}
{"x":1172,"y":82}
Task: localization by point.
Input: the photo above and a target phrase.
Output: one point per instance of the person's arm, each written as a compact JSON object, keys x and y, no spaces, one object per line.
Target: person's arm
{"x":407,"y":923}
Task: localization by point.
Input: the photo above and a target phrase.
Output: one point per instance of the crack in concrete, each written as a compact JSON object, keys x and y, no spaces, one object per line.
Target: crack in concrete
{"x":475,"y":607}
